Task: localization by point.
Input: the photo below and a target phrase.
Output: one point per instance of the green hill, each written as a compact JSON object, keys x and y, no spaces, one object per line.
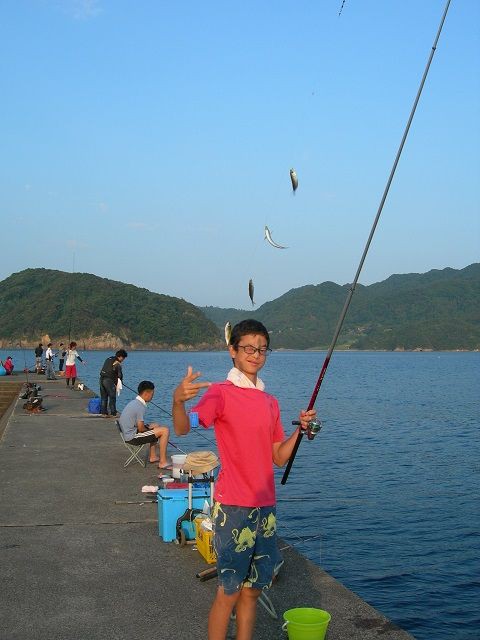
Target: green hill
{"x":98,"y":312}
{"x":435,"y":310}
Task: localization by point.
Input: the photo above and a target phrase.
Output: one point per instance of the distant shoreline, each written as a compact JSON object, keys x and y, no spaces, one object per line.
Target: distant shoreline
{"x":192,"y":349}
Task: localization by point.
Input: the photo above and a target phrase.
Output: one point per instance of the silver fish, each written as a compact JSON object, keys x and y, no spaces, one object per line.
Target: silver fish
{"x":268,"y":237}
{"x":251,"y":290}
{"x":294,"y":179}
{"x":228,"y":333}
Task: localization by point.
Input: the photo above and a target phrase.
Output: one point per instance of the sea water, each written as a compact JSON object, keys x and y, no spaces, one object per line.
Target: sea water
{"x":386,"y":498}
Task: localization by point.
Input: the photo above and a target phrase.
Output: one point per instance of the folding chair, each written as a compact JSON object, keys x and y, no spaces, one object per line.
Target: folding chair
{"x":133,"y":449}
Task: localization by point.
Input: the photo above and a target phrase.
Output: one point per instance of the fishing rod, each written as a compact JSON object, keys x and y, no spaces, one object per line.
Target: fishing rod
{"x":72,"y":299}
{"x":25,"y":369}
{"x":170,"y":415}
{"x":315,"y":425}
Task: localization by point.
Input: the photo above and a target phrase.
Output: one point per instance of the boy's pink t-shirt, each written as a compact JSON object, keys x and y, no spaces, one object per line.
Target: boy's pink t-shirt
{"x":247,"y":423}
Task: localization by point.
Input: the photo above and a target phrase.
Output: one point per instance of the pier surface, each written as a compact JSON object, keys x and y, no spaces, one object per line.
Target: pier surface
{"x":78,"y":562}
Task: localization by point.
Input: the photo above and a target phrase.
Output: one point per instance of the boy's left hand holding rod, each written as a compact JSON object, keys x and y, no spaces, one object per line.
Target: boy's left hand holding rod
{"x":186,"y":390}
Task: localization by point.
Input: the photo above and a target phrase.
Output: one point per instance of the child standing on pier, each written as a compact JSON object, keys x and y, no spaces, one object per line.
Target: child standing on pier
{"x":250,"y":441}
{"x":70,"y":367}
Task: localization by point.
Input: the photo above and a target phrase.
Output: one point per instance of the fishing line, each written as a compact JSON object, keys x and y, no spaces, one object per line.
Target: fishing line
{"x":300,"y":539}
{"x":72,"y":298}
{"x":25,"y":369}
{"x":341,"y":319}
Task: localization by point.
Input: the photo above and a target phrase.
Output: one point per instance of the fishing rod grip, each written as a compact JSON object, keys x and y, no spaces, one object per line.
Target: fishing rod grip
{"x":292,"y":457}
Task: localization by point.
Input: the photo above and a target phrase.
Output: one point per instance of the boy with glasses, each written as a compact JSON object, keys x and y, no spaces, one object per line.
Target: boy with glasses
{"x":250,"y":440}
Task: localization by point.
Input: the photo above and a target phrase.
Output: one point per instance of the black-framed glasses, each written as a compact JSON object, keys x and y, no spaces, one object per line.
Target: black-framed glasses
{"x":251,"y":350}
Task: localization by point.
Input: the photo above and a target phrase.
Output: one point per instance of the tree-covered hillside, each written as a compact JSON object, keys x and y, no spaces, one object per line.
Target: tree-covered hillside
{"x":100,"y":312}
{"x":435,"y":310}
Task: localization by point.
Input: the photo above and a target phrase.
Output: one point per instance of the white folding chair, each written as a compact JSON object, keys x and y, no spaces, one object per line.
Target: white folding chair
{"x":133,"y":449}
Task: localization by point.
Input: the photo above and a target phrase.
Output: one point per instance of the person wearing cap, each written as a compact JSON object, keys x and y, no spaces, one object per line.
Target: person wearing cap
{"x":250,"y":440}
{"x":49,"y":368}
{"x":110,"y":374}
{"x":136,"y":431}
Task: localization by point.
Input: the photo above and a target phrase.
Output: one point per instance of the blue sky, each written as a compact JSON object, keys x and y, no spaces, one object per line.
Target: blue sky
{"x":153,"y":140}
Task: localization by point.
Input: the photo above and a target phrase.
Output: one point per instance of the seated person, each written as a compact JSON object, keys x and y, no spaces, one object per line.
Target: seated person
{"x":135,"y":431}
{"x":8,"y":365}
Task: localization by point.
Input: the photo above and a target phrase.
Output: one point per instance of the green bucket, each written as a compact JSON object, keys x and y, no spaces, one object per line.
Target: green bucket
{"x":306,"y":623}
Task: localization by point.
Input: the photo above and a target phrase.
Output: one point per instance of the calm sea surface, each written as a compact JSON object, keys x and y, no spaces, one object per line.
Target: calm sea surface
{"x":389,"y":488}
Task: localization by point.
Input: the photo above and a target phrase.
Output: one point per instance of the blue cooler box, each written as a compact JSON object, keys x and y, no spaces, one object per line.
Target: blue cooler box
{"x":172,"y":503}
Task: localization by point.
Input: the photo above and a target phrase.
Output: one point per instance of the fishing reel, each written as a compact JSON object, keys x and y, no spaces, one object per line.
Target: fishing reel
{"x":313,"y":428}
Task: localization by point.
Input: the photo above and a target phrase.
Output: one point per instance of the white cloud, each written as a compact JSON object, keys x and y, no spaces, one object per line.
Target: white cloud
{"x":85,"y":9}
{"x":141,"y":226}
{"x":80,"y":9}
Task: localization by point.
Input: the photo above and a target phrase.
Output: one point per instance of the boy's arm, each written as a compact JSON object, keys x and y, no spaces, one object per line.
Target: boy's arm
{"x":281,"y":451}
{"x":181,"y":423}
{"x":186,"y":390}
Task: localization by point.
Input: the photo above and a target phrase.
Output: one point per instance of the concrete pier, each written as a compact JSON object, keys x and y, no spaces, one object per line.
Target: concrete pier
{"x":77,"y":562}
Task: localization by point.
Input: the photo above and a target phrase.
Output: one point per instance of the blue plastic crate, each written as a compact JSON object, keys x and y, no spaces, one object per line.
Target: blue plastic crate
{"x":172,"y":503}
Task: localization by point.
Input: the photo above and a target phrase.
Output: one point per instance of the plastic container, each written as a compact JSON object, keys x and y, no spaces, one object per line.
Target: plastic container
{"x":306,"y":623}
{"x":193,"y":418}
{"x":178,"y":460}
{"x":204,"y":539}
{"x":172,"y":503}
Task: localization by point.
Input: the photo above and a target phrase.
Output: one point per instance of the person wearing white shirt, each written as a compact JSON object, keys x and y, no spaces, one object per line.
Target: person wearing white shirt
{"x":49,"y":369}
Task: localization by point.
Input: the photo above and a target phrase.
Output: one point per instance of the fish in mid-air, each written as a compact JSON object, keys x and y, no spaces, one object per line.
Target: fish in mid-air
{"x":228,"y":332}
{"x":251,"y":290}
{"x":268,"y":237}
{"x":294,"y":179}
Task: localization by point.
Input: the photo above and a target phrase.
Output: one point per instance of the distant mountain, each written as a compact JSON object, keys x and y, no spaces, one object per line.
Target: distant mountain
{"x":39,"y":304}
{"x":435,"y":310}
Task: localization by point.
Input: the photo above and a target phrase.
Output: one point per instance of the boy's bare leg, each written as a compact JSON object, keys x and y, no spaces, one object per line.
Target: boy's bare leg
{"x":153,"y":452}
{"x":219,"y":615}
{"x":162,"y":434}
{"x":246,"y":609}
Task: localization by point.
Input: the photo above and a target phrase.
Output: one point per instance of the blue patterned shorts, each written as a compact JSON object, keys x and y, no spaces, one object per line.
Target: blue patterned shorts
{"x":245,"y":542}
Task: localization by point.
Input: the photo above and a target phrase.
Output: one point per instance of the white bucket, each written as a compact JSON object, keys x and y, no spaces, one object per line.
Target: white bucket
{"x":177,"y":464}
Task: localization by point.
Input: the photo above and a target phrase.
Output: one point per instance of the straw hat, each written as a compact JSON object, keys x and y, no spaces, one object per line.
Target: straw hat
{"x":200,"y":462}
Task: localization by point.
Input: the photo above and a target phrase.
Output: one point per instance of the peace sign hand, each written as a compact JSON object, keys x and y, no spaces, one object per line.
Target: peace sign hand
{"x":188,"y":388}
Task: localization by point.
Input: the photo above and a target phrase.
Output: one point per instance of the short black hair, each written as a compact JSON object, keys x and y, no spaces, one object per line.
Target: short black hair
{"x":245,"y":328}
{"x":145,"y":385}
{"x":121,"y":353}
